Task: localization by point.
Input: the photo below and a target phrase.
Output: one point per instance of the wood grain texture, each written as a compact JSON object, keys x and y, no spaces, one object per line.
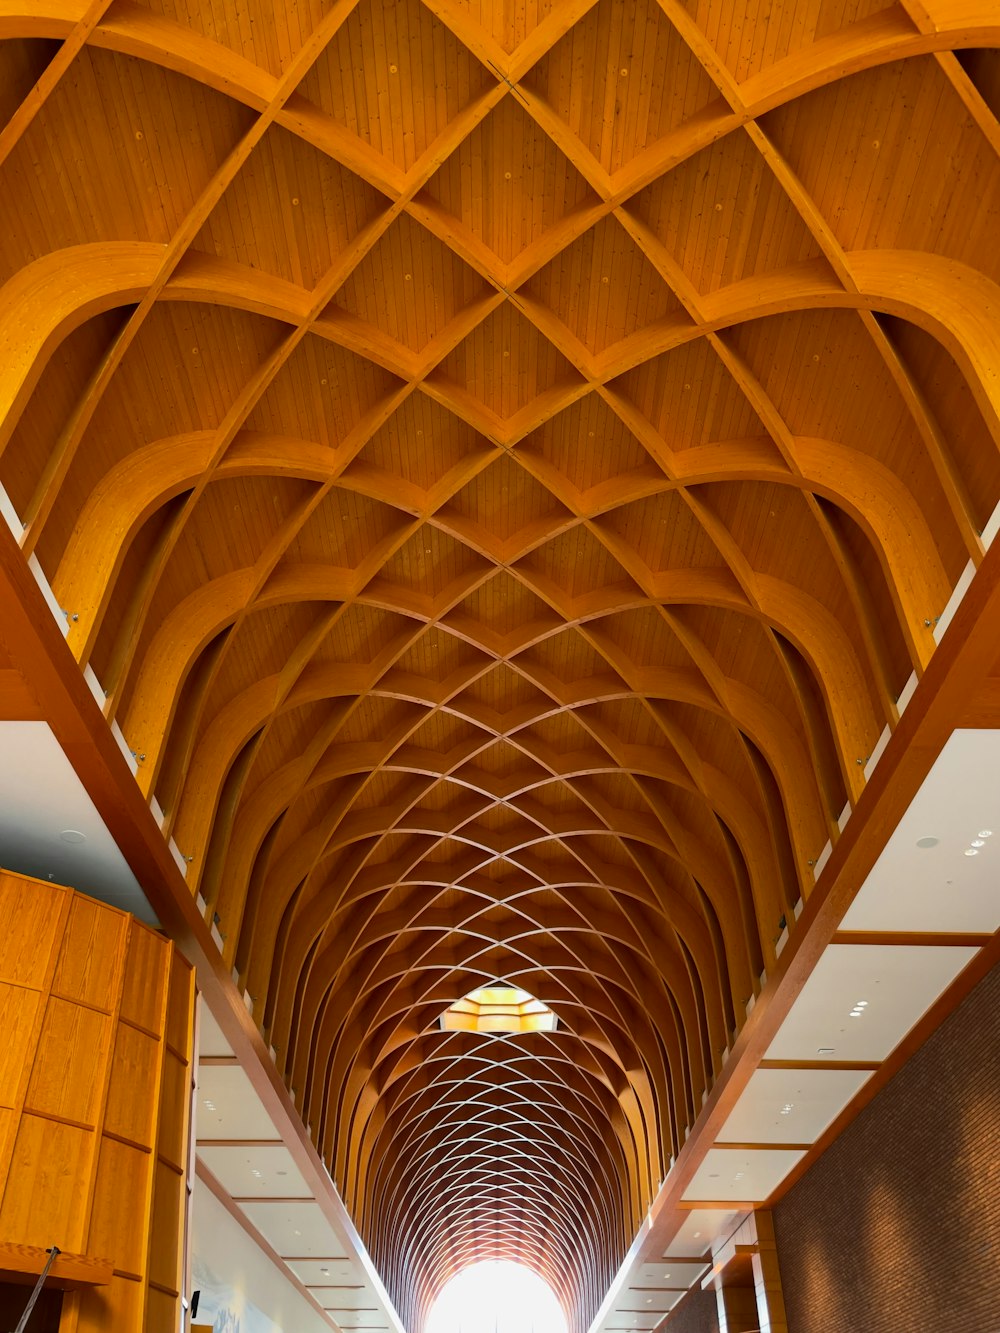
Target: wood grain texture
{"x":503,"y":464}
{"x":89,"y":1117}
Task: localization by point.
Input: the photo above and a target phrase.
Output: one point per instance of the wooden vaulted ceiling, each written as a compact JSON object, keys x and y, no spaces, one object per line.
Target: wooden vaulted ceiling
{"x":502,"y":463}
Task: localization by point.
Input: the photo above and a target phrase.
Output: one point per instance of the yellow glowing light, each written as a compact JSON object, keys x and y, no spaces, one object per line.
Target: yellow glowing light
{"x":498,"y":1009}
{"x":497,"y":1297}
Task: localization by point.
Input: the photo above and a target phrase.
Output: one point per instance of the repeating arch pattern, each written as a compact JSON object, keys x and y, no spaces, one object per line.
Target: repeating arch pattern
{"x":503,"y":464}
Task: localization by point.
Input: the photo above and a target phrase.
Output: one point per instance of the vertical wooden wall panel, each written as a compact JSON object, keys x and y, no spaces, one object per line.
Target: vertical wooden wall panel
{"x":95,"y":1100}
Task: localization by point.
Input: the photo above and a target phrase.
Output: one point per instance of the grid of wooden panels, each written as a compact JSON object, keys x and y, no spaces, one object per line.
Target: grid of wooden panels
{"x":503,"y":463}
{"x":95,"y":1099}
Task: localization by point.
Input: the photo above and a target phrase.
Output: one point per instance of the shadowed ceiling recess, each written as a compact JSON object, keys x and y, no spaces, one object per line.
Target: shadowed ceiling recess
{"x":502,"y":463}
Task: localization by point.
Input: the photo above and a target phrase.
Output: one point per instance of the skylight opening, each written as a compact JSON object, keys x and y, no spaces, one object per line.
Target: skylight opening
{"x":500,"y":1010}
{"x":497,"y":1296}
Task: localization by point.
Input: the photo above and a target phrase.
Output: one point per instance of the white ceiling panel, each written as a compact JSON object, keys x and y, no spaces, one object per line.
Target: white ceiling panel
{"x":361,"y":1319}
{"x":227,"y":1106}
{"x":895,"y":983}
{"x":640,"y":1298}
{"x":321,"y":1272}
{"x":297,"y":1229}
{"x":701,"y":1229}
{"x":256,"y":1172}
{"x":49,"y":826}
{"x":749,"y":1175}
{"x":346,"y":1298}
{"x":677,"y":1273}
{"x":936,"y":887}
{"x":629,"y":1318}
{"x":210,"y":1038}
{"x":790,"y":1105}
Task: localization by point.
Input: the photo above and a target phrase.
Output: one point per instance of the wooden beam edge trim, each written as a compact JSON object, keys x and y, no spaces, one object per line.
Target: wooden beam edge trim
{"x":967,"y":939}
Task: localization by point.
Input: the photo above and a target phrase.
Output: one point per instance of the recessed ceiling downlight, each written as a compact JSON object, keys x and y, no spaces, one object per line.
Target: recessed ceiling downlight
{"x":73,"y":835}
{"x":924,"y":843}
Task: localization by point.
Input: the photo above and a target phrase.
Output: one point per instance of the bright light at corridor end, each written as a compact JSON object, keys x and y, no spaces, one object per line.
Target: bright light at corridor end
{"x":497,"y":1297}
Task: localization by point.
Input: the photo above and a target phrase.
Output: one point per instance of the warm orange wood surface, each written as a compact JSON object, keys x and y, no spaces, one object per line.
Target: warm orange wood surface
{"x":23,"y":1263}
{"x":94,"y":1105}
{"x":503,"y":463}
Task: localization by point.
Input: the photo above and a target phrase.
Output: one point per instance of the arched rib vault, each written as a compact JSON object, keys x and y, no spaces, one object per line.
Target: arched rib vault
{"x":502,"y":464}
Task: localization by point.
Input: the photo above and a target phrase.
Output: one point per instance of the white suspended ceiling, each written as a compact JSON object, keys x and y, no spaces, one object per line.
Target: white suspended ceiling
{"x":49,"y":826}
{"x":791,"y":1105}
{"x":925,"y":880}
{"x":897,"y":984}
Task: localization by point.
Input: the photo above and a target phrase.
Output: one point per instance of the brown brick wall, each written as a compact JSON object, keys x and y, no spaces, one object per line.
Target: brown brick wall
{"x":697,"y":1313}
{"x":896,"y":1229}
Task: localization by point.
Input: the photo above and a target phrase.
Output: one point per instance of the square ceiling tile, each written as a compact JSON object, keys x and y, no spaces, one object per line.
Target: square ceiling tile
{"x":749,"y":1176}
{"x":255,"y":1172}
{"x":897,"y":983}
{"x":678,"y":1274}
{"x":320,"y":1272}
{"x":228,"y":1108}
{"x":210,"y":1038}
{"x":790,"y":1105}
{"x":649,"y":1298}
{"x":339,"y":1298}
{"x":296,"y":1229}
{"x":924,"y":881}
{"x":701,"y":1228}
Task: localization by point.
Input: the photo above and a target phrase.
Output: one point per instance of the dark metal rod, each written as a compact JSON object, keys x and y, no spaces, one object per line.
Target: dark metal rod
{"x":23,"y":1322}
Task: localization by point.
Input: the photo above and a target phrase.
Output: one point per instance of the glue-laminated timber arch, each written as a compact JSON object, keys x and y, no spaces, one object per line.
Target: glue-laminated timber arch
{"x":260,"y":717}
{"x":569,"y":1109}
{"x":588,"y":1003}
{"x":432,"y":961}
{"x":667,"y":965}
{"x":675,"y":909}
{"x":508,"y":734}
{"x":327,"y":848}
{"x":584,"y":1101}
